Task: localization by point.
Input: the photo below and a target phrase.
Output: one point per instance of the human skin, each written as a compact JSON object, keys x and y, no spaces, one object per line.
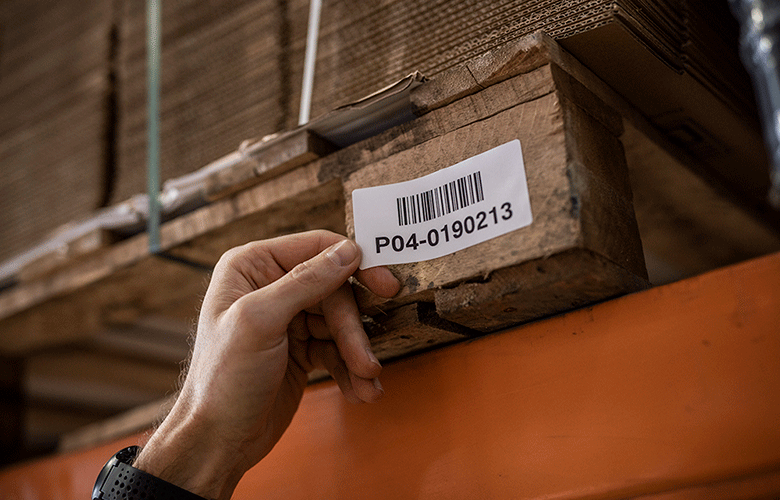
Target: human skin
{"x":274,"y":310}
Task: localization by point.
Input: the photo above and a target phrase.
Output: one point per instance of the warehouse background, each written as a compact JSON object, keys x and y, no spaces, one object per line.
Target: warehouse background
{"x":73,"y":136}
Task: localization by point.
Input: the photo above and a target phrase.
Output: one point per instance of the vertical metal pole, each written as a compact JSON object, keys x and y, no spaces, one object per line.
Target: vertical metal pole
{"x":312,"y":38}
{"x":760,"y":49}
{"x":153,"y":122}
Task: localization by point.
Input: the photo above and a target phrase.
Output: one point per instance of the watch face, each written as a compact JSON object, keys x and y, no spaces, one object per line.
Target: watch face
{"x":127,"y":456}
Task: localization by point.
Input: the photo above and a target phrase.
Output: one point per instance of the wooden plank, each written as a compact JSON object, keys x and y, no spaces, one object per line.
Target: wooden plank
{"x":512,"y":59}
{"x":677,"y":211}
{"x":667,"y":389}
{"x":45,"y":423}
{"x":117,"y":278}
{"x":295,"y":202}
{"x":533,"y":290}
{"x":79,"y":379}
{"x":266,"y":159}
{"x":726,"y":143}
{"x":412,"y":328}
{"x":67,"y":254}
{"x":578,"y":183}
{"x":139,"y":342}
{"x":137,"y":420}
{"x":54,"y":323}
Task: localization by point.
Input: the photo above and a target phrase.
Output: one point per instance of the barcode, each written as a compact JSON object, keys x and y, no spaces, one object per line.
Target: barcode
{"x":434,"y":203}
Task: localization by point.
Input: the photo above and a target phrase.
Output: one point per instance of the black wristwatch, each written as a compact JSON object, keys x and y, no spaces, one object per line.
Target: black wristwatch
{"x":119,"y":480}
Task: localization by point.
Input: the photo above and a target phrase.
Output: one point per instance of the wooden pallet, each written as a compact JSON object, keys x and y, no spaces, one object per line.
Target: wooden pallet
{"x":583,"y":245}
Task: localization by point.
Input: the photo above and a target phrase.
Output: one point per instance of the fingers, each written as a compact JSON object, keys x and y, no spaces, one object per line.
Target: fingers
{"x":380,"y":281}
{"x":355,"y":389}
{"x":288,"y":251}
{"x":307,"y":284}
{"x":272,"y":281}
{"x":357,"y":376}
{"x":255,"y":265}
{"x":343,"y":322}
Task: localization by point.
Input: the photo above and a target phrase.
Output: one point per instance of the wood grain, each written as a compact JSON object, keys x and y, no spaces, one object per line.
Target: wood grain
{"x":534,"y":290}
{"x":264,"y":160}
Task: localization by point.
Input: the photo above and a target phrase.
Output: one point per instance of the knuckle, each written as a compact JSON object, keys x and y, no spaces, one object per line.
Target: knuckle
{"x":321,"y":233}
{"x":306,"y":274}
{"x":231,"y":257}
{"x":250,"y":262}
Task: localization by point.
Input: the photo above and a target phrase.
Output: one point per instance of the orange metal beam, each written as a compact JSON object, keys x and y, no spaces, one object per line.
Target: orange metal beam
{"x":672,"y":388}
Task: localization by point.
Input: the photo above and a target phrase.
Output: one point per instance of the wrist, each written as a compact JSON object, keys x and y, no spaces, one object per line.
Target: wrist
{"x":185,"y":452}
{"x":119,"y":480}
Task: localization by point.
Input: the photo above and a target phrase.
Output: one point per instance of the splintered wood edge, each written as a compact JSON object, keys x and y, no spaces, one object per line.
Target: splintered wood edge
{"x":407,"y":329}
{"x":410,"y":329}
{"x":536,"y":289}
{"x":512,"y":59}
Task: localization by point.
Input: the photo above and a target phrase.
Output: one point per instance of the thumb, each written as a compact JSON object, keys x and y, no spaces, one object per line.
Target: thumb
{"x":308,"y":283}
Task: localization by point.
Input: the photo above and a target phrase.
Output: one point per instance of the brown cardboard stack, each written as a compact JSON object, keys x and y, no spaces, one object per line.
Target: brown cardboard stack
{"x":53,"y":93}
{"x":230,"y":72}
{"x":677,"y":62}
{"x":233,"y":72}
{"x":363,"y":45}
{"x":710,"y":53}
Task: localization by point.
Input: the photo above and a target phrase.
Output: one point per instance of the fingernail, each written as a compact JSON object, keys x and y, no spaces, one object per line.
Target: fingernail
{"x":372,"y":357}
{"x":343,"y":253}
{"x":378,"y":386}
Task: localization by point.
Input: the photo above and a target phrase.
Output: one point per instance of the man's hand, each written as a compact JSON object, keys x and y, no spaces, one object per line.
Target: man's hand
{"x":274,"y":310}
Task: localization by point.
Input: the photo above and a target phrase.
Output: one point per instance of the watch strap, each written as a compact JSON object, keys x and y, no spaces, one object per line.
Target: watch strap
{"x":121,"y":481}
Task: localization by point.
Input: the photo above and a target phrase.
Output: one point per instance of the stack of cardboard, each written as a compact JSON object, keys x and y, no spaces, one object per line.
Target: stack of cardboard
{"x":53,"y":96}
{"x":677,"y":62}
{"x":365,"y":44}
{"x":230,"y":72}
{"x":710,"y":52}
{"x":233,"y":72}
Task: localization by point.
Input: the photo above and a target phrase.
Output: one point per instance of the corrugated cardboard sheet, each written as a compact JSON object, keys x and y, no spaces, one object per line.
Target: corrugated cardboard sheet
{"x":53,"y":90}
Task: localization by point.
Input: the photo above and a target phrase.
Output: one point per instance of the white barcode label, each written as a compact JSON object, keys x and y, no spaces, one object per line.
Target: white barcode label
{"x":443,"y":212}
